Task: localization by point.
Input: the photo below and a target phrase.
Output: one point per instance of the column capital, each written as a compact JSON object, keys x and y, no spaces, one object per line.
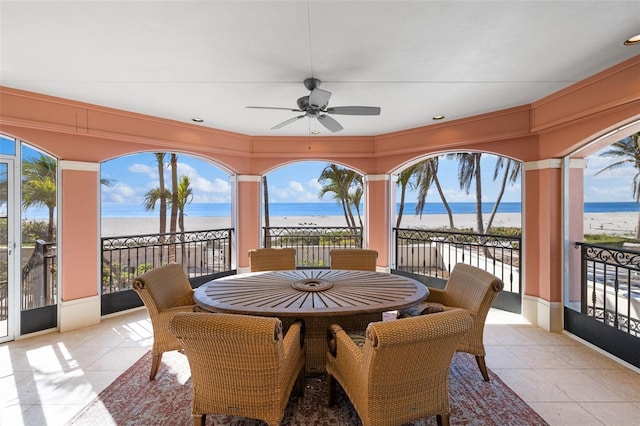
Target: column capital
{"x":79,"y":165}
{"x":373,"y":178}
{"x":552,"y":163}
{"x":247,"y":178}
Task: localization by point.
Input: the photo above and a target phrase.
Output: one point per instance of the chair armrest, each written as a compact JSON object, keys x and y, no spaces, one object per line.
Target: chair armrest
{"x":174,"y":310}
{"x":436,"y":295}
{"x":342,"y":347}
{"x":293,"y":343}
{"x":294,"y":337}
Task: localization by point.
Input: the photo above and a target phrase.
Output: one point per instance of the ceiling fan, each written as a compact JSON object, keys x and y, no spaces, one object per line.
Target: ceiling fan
{"x":315,"y":106}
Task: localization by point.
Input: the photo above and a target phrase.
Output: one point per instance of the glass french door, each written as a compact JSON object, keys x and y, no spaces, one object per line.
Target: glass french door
{"x":8,"y":311}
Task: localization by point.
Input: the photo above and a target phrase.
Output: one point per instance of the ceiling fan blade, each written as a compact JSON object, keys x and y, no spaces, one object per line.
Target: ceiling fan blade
{"x":285,"y":109}
{"x":319,"y":98}
{"x":289,"y":121}
{"x":329,"y":123}
{"x":354,"y":110}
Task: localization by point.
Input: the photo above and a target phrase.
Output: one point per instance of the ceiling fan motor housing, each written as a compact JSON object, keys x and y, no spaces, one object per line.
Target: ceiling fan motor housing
{"x":311,"y":83}
{"x":303,"y":103}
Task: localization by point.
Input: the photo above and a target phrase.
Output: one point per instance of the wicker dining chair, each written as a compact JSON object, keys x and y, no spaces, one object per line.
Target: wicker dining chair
{"x":165,"y":291}
{"x":472,"y":289}
{"x":400,"y":373}
{"x":241,"y":365}
{"x":353,"y":259}
{"x":272,"y":259}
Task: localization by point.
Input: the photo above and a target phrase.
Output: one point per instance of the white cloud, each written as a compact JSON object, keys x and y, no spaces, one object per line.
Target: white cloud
{"x":151,"y":172}
{"x":314,"y":185}
{"x":120,"y":193}
{"x":295,"y":192}
{"x":218,"y":186}
{"x":186,"y":169}
{"x":296,"y":186}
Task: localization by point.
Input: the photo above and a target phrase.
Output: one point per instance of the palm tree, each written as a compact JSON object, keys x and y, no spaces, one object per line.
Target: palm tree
{"x":468,"y":172}
{"x":162,"y":194}
{"x":152,"y":197}
{"x":265,"y":191}
{"x":174,"y":206}
{"x":427,"y":175}
{"x":39,"y":187}
{"x":627,"y":151}
{"x":510,"y":175}
{"x":422,"y":175}
{"x":340,"y":181}
{"x":404,"y":181}
{"x":355,"y":197}
{"x":185,"y":196}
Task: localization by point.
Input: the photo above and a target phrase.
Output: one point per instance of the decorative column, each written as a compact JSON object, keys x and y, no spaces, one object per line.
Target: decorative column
{"x":377,"y":217}
{"x":79,"y":244}
{"x":247,"y":218}
{"x":543,"y":244}
{"x":575,"y":231}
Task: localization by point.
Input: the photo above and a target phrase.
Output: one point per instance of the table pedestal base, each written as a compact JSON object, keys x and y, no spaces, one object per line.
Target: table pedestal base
{"x":316,"y":335}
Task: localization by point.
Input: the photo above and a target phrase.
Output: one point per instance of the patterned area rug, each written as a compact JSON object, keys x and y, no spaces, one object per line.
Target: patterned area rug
{"x":134,"y":400}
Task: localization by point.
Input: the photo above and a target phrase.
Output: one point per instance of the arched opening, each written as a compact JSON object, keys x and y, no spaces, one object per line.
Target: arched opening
{"x":602,"y":285}
{"x":461,"y":207}
{"x":313,"y":206}
{"x":158,"y":208}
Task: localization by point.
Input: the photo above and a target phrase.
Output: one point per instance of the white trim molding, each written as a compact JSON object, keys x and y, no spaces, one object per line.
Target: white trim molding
{"x":553,"y":163}
{"x":79,"y":165}
{"x":79,"y":313}
{"x":578,"y":163}
{"x":542,"y":313}
{"x":373,"y":178}
{"x":249,"y":178}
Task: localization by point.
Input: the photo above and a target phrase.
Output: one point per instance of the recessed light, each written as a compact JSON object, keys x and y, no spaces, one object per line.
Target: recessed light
{"x":197,"y":120}
{"x":438,"y":117}
{"x":631,"y":41}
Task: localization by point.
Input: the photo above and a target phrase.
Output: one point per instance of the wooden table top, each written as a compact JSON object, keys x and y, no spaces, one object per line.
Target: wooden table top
{"x":310,"y":292}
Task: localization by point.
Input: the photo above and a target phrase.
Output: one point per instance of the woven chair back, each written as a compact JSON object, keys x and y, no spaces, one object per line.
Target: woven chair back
{"x":353,"y":259}
{"x":272,"y":259}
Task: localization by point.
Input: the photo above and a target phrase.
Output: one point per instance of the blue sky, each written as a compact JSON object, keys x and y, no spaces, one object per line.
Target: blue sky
{"x":613,"y":185}
{"x":289,"y":184}
{"x":134,"y":175}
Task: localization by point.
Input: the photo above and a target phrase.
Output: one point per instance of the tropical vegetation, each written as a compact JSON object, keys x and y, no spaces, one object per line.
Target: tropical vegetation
{"x":39,"y":187}
{"x":424,"y":174}
{"x":345,"y":186}
{"x":175,"y":198}
{"x":626,"y":152}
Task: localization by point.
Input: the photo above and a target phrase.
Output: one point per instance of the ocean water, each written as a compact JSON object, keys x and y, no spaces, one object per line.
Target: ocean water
{"x":114,"y":210}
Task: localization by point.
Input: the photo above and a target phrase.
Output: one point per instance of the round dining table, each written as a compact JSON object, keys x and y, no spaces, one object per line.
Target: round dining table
{"x":318,"y":296}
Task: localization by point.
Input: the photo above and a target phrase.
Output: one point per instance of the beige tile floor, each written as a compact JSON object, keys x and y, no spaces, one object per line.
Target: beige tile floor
{"x":47,"y":379}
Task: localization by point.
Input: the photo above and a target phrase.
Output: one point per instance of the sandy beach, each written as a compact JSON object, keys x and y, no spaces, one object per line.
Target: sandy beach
{"x":622,"y":224}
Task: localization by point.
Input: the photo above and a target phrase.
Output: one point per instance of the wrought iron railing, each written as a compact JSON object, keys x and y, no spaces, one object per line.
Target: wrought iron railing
{"x":39,"y":277}
{"x":610,"y":286}
{"x":313,"y":243}
{"x":201,"y":253}
{"x":434,"y":253}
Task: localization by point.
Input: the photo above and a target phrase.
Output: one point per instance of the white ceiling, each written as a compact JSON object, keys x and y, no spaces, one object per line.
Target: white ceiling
{"x":211,"y":59}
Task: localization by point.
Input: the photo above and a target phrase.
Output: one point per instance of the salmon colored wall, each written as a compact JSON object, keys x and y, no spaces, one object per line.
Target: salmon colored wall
{"x":377,"y":213}
{"x":542,"y":230}
{"x":616,"y":87}
{"x":248,"y":229}
{"x":79,"y":235}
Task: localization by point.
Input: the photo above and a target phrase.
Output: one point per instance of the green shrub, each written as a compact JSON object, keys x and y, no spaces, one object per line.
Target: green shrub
{"x":33,"y":230}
